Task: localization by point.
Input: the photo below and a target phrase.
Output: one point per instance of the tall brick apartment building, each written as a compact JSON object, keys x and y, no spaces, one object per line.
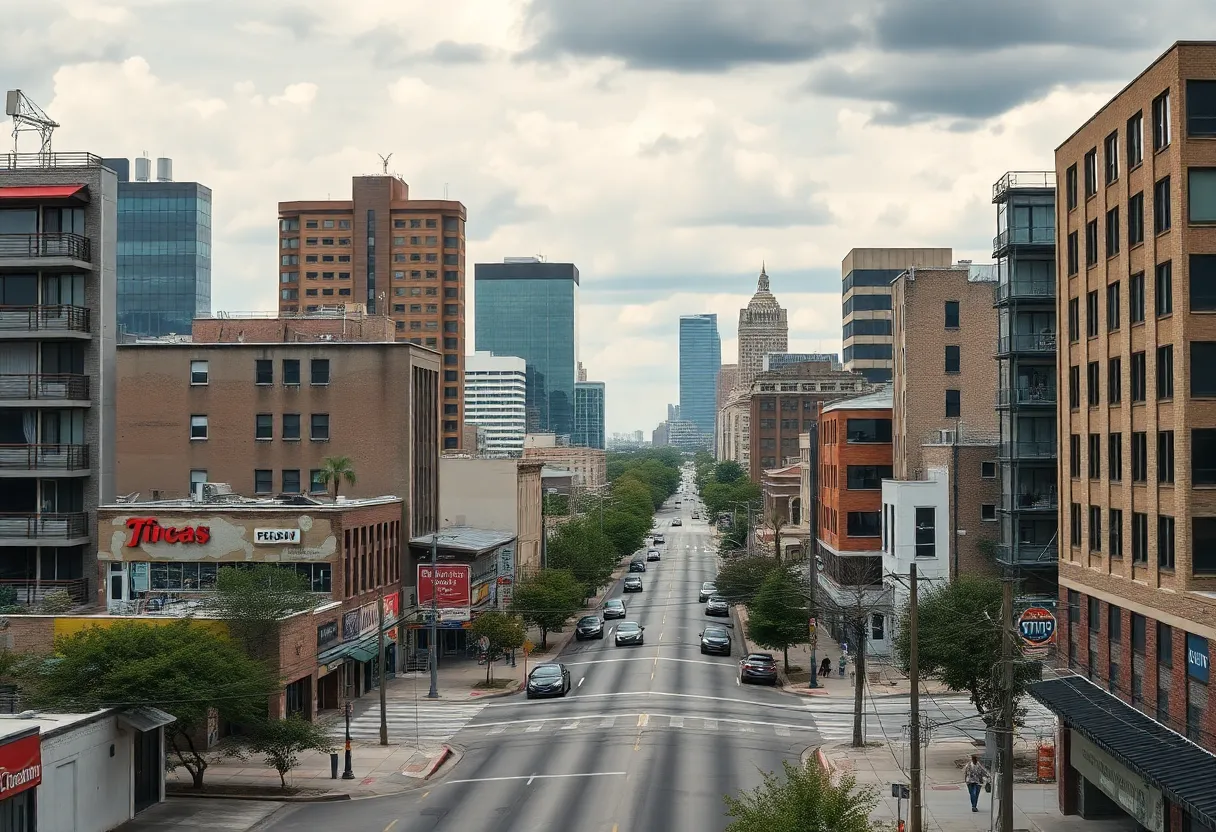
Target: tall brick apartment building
{"x":1137,"y":570}
{"x":399,"y":256}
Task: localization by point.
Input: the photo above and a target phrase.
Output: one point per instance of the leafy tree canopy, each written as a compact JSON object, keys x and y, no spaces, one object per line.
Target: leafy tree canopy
{"x":253,"y":599}
{"x":778,"y":617}
{"x":734,"y":497}
{"x":504,"y":632}
{"x":581,"y":548}
{"x":548,"y":600}
{"x":804,"y":800}
{"x":282,"y":741}
{"x":740,"y":580}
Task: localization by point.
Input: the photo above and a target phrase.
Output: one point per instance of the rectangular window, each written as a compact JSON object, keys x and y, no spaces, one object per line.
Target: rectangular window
{"x":867,"y":477}
{"x":1070,"y":186}
{"x":1165,"y":456}
{"x":1116,"y":533}
{"x":1203,"y":546}
{"x":1165,"y":372}
{"x":869,"y":431}
{"x":1091,"y":314}
{"x":198,"y":476}
{"x":1114,"y":380}
{"x":263,"y":426}
{"x":1074,"y":456}
{"x":1114,"y":457}
{"x":988,"y":470}
{"x":1094,"y":615}
{"x":1203,"y":369}
{"x":263,"y":371}
{"x":291,"y":371}
{"x":1201,"y":195}
{"x":1201,"y":108}
{"x":1161,"y":121}
{"x":1091,"y":172}
{"x":1074,"y":523}
{"x":1135,"y":140}
{"x":926,"y":532}
{"x":1095,"y":528}
{"x":864,"y":523}
{"x":954,"y":406}
{"x":1165,"y":542}
{"x":1095,"y":456}
{"x":1135,"y":219}
{"x":1139,"y":456}
{"x":1164,"y":301}
{"x":1074,"y":254}
{"x":319,"y":371}
{"x":1110,"y":149}
{"x":319,"y":427}
{"x":1091,"y":243}
{"x":1074,"y":386}
{"x":1165,"y":645}
{"x":1203,"y":456}
{"x":1161,"y":206}
{"x":953,"y":359}
{"x":1112,"y":232}
{"x":1139,"y":537}
{"x":263,"y":481}
{"x":1112,"y":306}
{"x":198,"y":427}
{"x":291,"y":426}
{"x":952,"y":314}
{"x":1114,"y":624}
{"x":1139,"y":378}
{"x":1074,"y":319}
{"x":199,"y":373}
{"x":988,"y":512}
{"x":291,"y":481}
{"x":316,"y":481}
{"x":1093,"y":373}
{"x":1203,"y":282}
{"x":1135,"y":293}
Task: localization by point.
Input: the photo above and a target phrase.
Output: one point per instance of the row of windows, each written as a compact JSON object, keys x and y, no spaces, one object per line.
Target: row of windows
{"x":263,"y":372}
{"x":867,"y":303}
{"x":1202,"y":192}
{"x":1138,"y":453}
{"x":881,"y":326}
{"x":1202,"y":376}
{"x":857,"y":477}
{"x":293,"y":224}
{"x":264,"y":427}
{"x":1201,"y":297}
{"x":198,"y":576}
{"x":871,"y":352}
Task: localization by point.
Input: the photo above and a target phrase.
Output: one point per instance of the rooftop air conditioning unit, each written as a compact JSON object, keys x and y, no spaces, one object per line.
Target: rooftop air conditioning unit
{"x":947,"y":437}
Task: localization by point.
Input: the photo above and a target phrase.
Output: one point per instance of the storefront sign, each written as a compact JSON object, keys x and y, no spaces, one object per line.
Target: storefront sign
{"x":1198,"y":663}
{"x":1037,"y":626}
{"x":327,"y":633}
{"x":1133,"y":793}
{"x":450,"y":585}
{"x":144,"y":530}
{"x":506,"y":562}
{"x":275,"y":537}
{"x":369,"y":614}
{"x":480,"y":594}
{"x":350,"y":624}
{"x":450,"y":617}
{"x":20,"y":765}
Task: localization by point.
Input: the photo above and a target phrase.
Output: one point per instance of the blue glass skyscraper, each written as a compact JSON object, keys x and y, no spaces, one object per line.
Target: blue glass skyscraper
{"x":588,"y":414}
{"x":164,"y":250}
{"x":529,"y":309}
{"x":700,"y":361}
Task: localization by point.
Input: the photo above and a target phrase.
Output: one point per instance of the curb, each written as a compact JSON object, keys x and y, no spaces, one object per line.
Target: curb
{"x":443,"y":757}
{"x":327,"y":797}
{"x":493,"y":694}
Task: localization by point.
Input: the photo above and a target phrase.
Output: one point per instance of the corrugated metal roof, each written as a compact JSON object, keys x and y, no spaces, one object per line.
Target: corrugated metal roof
{"x":1184,"y":771}
{"x":466,"y":538}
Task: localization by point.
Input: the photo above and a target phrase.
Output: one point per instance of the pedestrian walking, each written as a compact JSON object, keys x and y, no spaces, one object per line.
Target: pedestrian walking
{"x":974,"y":775}
{"x":825,"y":667}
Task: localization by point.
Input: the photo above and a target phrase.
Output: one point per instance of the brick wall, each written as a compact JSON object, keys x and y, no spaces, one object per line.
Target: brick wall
{"x":352,"y":326}
{"x":839,"y":455}
{"x":973,"y":492}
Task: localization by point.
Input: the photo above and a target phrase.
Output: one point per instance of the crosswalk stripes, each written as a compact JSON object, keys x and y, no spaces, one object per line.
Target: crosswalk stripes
{"x":886,"y":718}
{"x":407,"y":721}
{"x":642,"y":722}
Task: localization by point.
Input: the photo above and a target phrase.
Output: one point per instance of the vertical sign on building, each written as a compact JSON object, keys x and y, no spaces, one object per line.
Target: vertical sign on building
{"x":1198,"y":661}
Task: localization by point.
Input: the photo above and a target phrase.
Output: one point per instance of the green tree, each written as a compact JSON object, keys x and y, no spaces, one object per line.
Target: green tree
{"x":282,"y":741}
{"x":503,"y":632}
{"x":959,"y":628}
{"x":804,"y":800}
{"x":336,"y":470}
{"x":734,"y":539}
{"x":740,"y":580}
{"x":778,"y":618}
{"x":182,"y":667}
{"x":729,"y":472}
{"x":732,"y":497}
{"x":253,"y":600}
{"x":547,"y":601}
{"x":580,"y":548}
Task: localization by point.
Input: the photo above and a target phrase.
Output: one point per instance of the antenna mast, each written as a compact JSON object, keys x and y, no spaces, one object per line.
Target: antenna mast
{"x":384,"y":160}
{"x":28,"y":117}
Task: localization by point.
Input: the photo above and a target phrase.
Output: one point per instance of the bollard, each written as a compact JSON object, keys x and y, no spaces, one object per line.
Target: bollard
{"x":333,"y":766}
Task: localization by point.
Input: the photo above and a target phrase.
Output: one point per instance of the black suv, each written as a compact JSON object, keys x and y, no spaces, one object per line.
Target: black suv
{"x":637,"y":566}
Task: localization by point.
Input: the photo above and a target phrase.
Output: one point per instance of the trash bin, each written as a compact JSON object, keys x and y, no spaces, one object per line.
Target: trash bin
{"x":333,"y":766}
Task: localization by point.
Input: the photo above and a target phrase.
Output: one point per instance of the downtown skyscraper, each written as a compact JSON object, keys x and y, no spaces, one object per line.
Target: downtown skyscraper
{"x":700,"y":361}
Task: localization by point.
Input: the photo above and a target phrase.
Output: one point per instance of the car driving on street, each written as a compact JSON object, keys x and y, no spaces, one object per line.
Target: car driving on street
{"x":632,"y":584}
{"x":549,"y":679}
{"x":629,"y":633}
{"x":708,"y":590}
{"x":614,"y":608}
{"x":715,"y":639}
{"x":654,"y":554}
{"x":637,"y":565}
{"x":589,"y":626}
{"x":758,"y":667}
{"x":677,"y":522}
{"x":717,"y":606}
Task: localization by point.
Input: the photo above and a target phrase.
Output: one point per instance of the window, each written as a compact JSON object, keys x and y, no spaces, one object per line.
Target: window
{"x":1095,"y":456}
{"x":1161,"y":206}
{"x":878,"y":626}
{"x":1091,"y":314}
{"x":953,"y":360}
{"x":1165,"y":645}
{"x":1074,"y":255}
{"x":954,"y":406}
{"x":199,"y":373}
{"x":1135,"y":219}
{"x":1074,"y":386}
{"x":291,"y":481}
{"x":1110,"y":149}
{"x":1203,"y":371}
{"x":1165,"y":372}
{"x":319,"y":371}
{"x":1116,"y":533}
{"x":988,"y":470}
{"x":926,"y":532}
{"x":263,"y":426}
{"x":865,"y":523}
{"x":1203,"y":282}
{"x":1203,"y":545}
{"x":198,"y":476}
{"x":1201,"y":108}
{"x":867,"y":477}
{"x":951,"y":314}
{"x":263,"y":371}
{"x":1161,"y":121}
{"x":291,"y":426}
{"x":1074,"y":523}
{"x":1114,"y":624}
{"x":1164,"y":300}
{"x":319,"y":427}
{"x":1135,"y":140}
{"x":1165,"y":456}
{"x":1165,"y":542}
{"x":316,"y":482}
{"x":1114,"y":380}
{"x":1139,"y":537}
{"x":869,"y":430}
{"x":1201,"y":195}
{"x":1114,"y":457}
{"x":1093,"y":372}
{"x":1091,"y":172}
{"x":1203,"y":456}
{"x":1112,"y":307}
{"x":198,"y":427}
{"x":1070,"y":186}
{"x":988,"y":512}
{"x":1091,"y":243}
{"x":1095,"y":528}
{"x":263,"y":481}
{"x":1112,"y":232}
{"x":1135,"y":302}
{"x":1139,"y":456}
{"x":1074,"y":456}
{"x":1074,"y":319}
{"x":291,"y":371}
{"x":1139,"y":389}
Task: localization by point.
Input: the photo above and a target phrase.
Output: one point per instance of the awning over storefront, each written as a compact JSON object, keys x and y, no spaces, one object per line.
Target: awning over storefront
{"x":41,"y":191}
{"x":360,"y":653}
{"x":1185,"y":772}
{"x":364,"y":650}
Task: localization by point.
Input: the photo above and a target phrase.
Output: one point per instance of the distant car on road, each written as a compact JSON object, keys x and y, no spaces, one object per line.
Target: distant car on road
{"x":638,"y":565}
{"x":659,"y":540}
{"x":614,"y":608}
{"x":633,"y":584}
{"x":677,"y":522}
{"x":589,"y":626}
{"x":715,"y":639}
{"x":717,"y":606}
{"x":758,"y":667}
{"x":629,"y":633}
{"x":654,"y":554}
{"x":708,"y":590}
{"x":549,"y":679}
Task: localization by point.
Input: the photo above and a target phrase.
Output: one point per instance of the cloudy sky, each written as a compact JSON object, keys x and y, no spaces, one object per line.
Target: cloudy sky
{"x":666,"y":147}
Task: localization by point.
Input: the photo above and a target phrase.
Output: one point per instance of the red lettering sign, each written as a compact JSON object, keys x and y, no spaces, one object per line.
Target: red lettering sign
{"x":20,"y":765}
{"x":147,"y":530}
{"x":450,"y":586}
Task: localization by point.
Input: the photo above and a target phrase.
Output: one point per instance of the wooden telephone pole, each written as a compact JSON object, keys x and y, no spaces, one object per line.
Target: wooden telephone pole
{"x":915,"y":804}
{"x":1005,"y":823}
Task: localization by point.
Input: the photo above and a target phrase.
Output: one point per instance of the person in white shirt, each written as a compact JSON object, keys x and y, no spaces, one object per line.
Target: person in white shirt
{"x":974,"y":775}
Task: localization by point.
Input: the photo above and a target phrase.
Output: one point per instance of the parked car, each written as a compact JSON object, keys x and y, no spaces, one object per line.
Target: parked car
{"x":632,"y":584}
{"x":589,"y":626}
{"x":758,"y":667}
{"x":715,"y":639}
{"x":708,"y":590}
{"x":717,"y":606}
{"x":614,"y":608}
{"x":548,"y":679}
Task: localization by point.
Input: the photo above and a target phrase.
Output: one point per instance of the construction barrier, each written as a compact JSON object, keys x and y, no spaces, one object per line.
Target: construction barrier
{"x":1047,"y":763}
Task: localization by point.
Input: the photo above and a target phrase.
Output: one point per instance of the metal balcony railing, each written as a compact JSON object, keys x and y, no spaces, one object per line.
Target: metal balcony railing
{"x":1016,"y":179}
{"x":1035,"y":501}
{"x":37,"y":386}
{"x":33,"y":526}
{"x":1028,"y":450}
{"x":1024,"y":236}
{"x":1031,"y":395}
{"x":1040,"y":554}
{"x":34,"y":161}
{"x":25,"y":246}
{"x":30,"y":591}
{"x":59,"y":318}
{"x":44,"y":457}
{"x":1043,"y":343}
{"x":1036,"y":289}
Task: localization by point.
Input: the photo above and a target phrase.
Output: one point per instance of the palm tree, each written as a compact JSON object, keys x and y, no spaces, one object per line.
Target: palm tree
{"x":335,"y":470}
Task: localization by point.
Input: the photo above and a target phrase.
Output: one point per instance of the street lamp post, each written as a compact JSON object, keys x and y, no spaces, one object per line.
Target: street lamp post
{"x":349,"y":773}
{"x":433,"y":639}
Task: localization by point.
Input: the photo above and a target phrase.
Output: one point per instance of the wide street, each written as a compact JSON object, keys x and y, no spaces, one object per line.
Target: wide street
{"x":649,"y":739}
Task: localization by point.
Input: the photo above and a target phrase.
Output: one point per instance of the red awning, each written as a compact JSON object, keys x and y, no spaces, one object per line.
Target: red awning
{"x":41,"y":191}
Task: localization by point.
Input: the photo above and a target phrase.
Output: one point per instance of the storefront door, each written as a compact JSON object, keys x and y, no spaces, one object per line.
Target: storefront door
{"x":147,"y":768}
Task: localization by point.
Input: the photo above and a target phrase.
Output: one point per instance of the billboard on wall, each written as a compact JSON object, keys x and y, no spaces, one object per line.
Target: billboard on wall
{"x":20,"y":765}
{"x":449,"y":587}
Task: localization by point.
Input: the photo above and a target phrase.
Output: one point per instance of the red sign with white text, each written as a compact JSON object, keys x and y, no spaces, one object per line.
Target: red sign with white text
{"x":148,"y":530}
{"x":20,"y":765}
{"x":451,"y":584}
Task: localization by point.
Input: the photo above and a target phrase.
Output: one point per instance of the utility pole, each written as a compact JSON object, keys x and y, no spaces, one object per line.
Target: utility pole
{"x":383,"y":675}
{"x":433,"y":638}
{"x":814,"y":581}
{"x":859,"y":673}
{"x":914,"y":809}
{"x":1007,"y":655}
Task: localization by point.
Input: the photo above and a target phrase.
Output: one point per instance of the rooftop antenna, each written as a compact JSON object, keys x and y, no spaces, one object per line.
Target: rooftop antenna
{"x":445,"y":190}
{"x":384,"y":160}
{"x":28,"y":117}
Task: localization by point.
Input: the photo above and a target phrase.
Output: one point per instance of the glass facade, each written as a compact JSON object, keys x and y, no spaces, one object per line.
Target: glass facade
{"x":164,"y":256}
{"x":700,"y":361}
{"x":530,"y":310}
{"x":588,"y":415}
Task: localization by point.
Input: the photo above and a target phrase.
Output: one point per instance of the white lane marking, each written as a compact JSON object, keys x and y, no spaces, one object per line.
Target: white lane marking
{"x":710,"y":724}
{"x":782,"y":731}
{"x":737,"y":682}
{"x":532,"y":729}
{"x":535,"y":725}
{"x":498,"y":729}
{"x":767,"y":705}
{"x":531,"y":777}
{"x":745,"y":728}
{"x":570,"y":726}
{"x":580,"y":681}
{"x":607,"y":722}
{"x":677,"y":722}
{"x":610,"y":629}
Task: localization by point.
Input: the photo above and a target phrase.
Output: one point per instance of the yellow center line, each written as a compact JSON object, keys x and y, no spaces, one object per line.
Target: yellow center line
{"x":424,"y":794}
{"x":389,"y":828}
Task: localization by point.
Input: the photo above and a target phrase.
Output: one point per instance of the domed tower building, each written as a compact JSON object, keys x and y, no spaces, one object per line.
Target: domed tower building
{"x":763,"y":328}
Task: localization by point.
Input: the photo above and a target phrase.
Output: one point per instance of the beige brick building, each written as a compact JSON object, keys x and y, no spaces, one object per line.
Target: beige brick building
{"x":763,"y":328}
{"x":589,"y":465}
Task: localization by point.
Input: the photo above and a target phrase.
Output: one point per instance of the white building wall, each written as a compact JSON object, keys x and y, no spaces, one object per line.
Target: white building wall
{"x":495,"y":390}
{"x":900,"y":499}
{"x":83,"y":788}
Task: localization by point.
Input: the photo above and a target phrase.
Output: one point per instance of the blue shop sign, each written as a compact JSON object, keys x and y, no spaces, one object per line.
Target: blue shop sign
{"x":1198,"y":664}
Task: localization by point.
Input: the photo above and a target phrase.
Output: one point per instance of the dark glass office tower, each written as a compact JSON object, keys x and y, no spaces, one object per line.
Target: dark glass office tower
{"x":588,"y":414}
{"x":164,"y":249}
{"x":528,"y":309}
{"x":700,"y":360}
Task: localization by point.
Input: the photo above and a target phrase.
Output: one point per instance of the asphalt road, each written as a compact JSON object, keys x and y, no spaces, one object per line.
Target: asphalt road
{"x":649,"y":739}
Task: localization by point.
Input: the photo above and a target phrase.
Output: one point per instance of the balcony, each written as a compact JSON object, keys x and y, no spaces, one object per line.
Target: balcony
{"x":31,"y":592}
{"x":1041,"y":555}
{"x":1037,"y":395}
{"x":1023,"y":180}
{"x":44,"y":529}
{"x":1027,"y":502}
{"x":1043,"y":343}
{"x":45,"y":251}
{"x":1040,"y":235}
{"x":52,"y":460}
{"x":1025,"y":290}
{"x":47,"y":321}
{"x":44,"y":387}
{"x":1045,"y":450}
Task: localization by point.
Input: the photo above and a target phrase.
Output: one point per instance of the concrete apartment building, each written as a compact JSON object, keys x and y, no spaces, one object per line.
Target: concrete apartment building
{"x":58,"y":244}
{"x":734,"y":430}
{"x":495,"y":393}
{"x":1137,"y":569}
{"x":262,"y":416}
{"x":944,"y":414}
{"x":589,"y":465}
{"x":866,"y":277}
{"x":728,"y":380}
{"x":398,"y":256}
{"x":496,"y":494}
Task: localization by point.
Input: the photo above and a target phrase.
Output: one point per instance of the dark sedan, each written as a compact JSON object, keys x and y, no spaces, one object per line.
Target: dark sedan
{"x":589,"y":626}
{"x":614,"y":609}
{"x":632,"y":584}
{"x":629,"y":632}
{"x":758,"y":667}
{"x":637,"y":566}
{"x":549,"y":679}
{"x":715,"y":639}
{"x":717,"y":606}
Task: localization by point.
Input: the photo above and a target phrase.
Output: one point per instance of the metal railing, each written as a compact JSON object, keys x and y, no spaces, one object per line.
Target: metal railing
{"x":1042,"y":501}
{"x":1039,"y":394}
{"x":1044,"y":342}
{"x":1028,"y":553}
{"x":1025,"y":289}
{"x":29,"y":526}
{"x":44,"y":457}
{"x":1028,"y":450}
{"x":44,"y":386}
{"x":53,"y":244}
{"x":34,"y":161}
{"x":60,"y":318}
{"x":1032,"y":236}
{"x":31,"y":591}
{"x":1015,"y":179}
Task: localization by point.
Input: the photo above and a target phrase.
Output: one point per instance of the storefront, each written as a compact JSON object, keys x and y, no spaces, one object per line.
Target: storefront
{"x":348,"y":650}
